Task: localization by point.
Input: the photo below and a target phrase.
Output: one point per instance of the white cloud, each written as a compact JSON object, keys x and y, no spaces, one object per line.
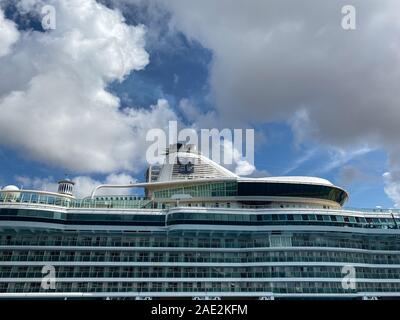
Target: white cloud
{"x":200,"y":120}
{"x":121,"y":178}
{"x":307,"y":156}
{"x":83,"y":187}
{"x":8,"y":34}
{"x":36,"y":183}
{"x":270,"y":62}
{"x":53,"y":99}
{"x":301,"y":126}
{"x":244,"y":168}
{"x":392,"y":187}
{"x":240,"y":165}
{"x":188,"y":109}
{"x":339,"y":157}
{"x":196,"y":117}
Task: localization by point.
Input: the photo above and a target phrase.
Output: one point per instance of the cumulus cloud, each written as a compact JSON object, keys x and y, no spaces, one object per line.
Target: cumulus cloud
{"x":244,"y":168}
{"x":196,"y":117}
{"x":83,"y":187}
{"x":240,"y":165}
{"x":270,"y":62}
{"x":302,"y":127}
{"x":273,"y":64}
{"x":36,"y":183}
{"x":392,"y":187}
{"x":53,"y":99}
{"x":238,"y":159}
{"x":54,"y":103}
{"x":8,"y":35}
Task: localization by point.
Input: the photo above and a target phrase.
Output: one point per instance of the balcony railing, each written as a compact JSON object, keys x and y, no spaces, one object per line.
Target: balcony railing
{"x":65,"y":201}
{"x":45,"y":198}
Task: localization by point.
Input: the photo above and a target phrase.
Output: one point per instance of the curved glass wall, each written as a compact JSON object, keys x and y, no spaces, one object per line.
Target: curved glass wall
{"x":301,"y":218}
{"x":256,"y":189}
{"x":283,"y":219}
{"x":203,"y":190}
{"x":82,"y":218}
{"x":271,"y":189}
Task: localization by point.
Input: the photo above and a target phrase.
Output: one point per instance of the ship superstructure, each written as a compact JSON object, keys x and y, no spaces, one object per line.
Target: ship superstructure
{"x":198,"y":231}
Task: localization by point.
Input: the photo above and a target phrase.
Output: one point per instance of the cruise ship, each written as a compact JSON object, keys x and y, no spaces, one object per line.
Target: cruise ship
{"x":196,"y":230}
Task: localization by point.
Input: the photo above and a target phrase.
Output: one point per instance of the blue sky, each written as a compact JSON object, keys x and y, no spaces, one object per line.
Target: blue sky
{"x":182,"y":65}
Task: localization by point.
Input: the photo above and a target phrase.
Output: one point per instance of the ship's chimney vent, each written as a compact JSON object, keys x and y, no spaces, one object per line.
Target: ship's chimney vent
{"x":66,"y":186}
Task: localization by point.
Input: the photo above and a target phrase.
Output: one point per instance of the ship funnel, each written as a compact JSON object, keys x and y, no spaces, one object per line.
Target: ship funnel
{"x":66,"y":186}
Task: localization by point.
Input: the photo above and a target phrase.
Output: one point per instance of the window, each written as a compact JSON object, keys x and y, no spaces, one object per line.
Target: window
{"x":291,"y":190}
{"x":280,"y":241}
{"x":340,"y":218}
{"x":326,"y":218}
{"x":297,"y":217}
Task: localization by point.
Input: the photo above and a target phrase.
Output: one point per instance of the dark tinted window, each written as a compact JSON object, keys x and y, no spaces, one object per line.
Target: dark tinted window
{"x":291,"y":190}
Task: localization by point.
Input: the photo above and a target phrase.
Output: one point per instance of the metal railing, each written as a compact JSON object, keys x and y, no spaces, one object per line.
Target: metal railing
{"x":45,"y":198}
{"x":65,"y":201}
